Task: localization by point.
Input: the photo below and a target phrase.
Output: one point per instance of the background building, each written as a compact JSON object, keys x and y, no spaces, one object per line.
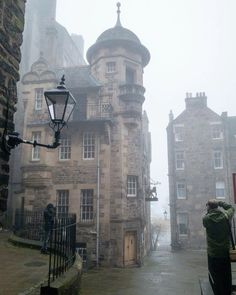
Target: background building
{"x":201,"y":157}
{"x":101,"y":171}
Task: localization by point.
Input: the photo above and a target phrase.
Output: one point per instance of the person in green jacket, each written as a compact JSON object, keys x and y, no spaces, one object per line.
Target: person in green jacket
{"x":216,"y":221}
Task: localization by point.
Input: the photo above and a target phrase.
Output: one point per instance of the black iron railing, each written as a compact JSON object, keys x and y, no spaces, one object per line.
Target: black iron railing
{"x":29,"y":224}
{"x":62,"y":250}
{"x":62,"y":240}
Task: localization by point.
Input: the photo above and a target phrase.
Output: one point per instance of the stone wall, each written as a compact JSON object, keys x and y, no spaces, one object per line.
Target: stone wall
{"x":11,"y":28}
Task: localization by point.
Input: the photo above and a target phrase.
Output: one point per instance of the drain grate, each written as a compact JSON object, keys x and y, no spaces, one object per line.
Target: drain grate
{"x":35,"y":264}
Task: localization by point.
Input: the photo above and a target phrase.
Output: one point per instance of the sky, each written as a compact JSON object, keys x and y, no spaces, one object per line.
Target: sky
{"x":192,"y":45}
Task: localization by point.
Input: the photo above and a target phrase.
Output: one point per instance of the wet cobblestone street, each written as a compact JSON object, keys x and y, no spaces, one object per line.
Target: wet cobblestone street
{"x":163,"y":273}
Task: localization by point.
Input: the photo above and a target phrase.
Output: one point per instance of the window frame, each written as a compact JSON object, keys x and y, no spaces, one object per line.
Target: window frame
{"x":179,"y":136}
{"x":111,"y":67}
{"x":64,"y":151}
{"x":216,"y":134}
{"x":179,"y":216}
{"x":35,"y":152}
{"x":86,"y":205}
{"x":60,"y":203}
{"x":89,"y":145}
{"x":130,"y":75}
{"x":218,"y":162}
{"x":182,"y":166}
{"x":38,"y":103}
{"x":219,"y":188}
{"x":179,"y":190}
{"x":132,"y":186}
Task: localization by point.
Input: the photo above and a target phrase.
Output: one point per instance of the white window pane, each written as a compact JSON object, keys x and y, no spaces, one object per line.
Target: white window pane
{"x":36,"y":136}
{"x":220,"y":190}
{"x":132,"y":186}
{"x":38,"y":98}
{"x":179,"y":160}
{"x":62,"y":202}
{"x":65,"y":149}
{"x":88,"y":145}
{"x":179,"y":133}
{"x":218,"y":159}
{"x":182,"y":221}
{"x":181,"y":190}
{"x":216,"y":131}
{"x":86,"y":205}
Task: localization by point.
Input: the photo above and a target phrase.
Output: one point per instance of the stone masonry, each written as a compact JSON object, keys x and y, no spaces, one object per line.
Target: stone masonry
{"x":11,"y":28}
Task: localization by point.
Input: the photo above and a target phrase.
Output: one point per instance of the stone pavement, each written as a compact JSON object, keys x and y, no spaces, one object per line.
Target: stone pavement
{"x":20,"y":268}
{"x":163,"y":273}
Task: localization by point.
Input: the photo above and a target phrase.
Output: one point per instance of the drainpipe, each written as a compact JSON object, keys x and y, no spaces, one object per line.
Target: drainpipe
{"x":98,"y":201}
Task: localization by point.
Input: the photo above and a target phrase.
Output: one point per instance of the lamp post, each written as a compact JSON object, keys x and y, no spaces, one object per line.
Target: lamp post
{"x":60,"y":104}
{"x":165,"y":215}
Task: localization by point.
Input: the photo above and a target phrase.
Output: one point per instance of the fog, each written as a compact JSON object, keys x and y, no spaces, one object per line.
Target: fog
{"x":192,"y":45}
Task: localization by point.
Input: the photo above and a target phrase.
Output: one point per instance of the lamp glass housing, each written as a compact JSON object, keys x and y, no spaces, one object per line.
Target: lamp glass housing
{"x":60,"y":103}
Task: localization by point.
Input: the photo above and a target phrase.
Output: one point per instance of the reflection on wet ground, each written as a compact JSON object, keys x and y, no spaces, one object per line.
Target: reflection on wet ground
{"x":163,"y":273}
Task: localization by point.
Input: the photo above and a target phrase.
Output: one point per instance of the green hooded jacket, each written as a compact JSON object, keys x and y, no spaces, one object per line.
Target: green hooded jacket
{"x":217,"y":230}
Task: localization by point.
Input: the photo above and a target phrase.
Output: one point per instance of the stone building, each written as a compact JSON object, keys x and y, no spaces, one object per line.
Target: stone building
{"x":201,"y":158}
{"x":11,"y":28}
{"x":44,"y":36}
{"x":101,"y":171}
{"x":42,"y":33}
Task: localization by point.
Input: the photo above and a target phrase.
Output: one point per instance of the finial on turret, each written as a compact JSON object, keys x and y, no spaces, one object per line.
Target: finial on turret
{"x":118,"y":23}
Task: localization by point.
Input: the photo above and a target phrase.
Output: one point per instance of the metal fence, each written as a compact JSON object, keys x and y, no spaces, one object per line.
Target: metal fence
{"x":29,"y":224}
{"x":62,"y":239}
{"x":62,"y":249}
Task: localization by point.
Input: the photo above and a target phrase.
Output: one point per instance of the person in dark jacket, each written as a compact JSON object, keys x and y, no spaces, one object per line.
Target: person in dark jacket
{"x":48,"y":216}
{"x":216,"y":221}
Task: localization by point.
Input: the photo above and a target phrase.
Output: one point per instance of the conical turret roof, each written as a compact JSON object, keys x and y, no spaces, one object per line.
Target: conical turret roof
{"x":118,"y":35}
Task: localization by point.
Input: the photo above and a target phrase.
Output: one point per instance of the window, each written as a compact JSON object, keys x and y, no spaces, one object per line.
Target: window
{"x":131,"y":186}
{"x":86,"y":205}
{"x":220,"y":190}
{"x":36,"y":136}
{"x":216,"y":131}
{"x":182,"y":221}
{"x":81,"y":249}
{"x":181,"y":190}
{"x":65,"y":149}
{"x":38,"y":99}
{"x":89,"y":145}
{"x":62,"y":202}
{"x":111,"y":67}
{"x":179,"y":160}
{"x":130,"y":76}
{"x":179,"y":132}
{"x":218,"y":159}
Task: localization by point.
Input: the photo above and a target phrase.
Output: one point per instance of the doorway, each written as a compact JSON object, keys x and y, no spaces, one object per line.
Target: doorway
{"x":130,"y":248}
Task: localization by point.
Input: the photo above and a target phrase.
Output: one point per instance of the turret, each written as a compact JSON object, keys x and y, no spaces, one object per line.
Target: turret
{"x":117,"y":59}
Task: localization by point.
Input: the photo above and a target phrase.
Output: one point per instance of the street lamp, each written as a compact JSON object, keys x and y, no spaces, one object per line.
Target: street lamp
{"x":165,"y":214}
{"x":60,"y":104}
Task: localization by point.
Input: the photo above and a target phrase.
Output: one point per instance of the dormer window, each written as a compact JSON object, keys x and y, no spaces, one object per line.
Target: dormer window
{"x":38,"y":99}
{"x":111,"y":67}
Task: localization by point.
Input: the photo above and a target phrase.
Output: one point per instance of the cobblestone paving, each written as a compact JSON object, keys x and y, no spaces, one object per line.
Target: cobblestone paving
{"x":21,"y":268}
{"x":163,"y":273}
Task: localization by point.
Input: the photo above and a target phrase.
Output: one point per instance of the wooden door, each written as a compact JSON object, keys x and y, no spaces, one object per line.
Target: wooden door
{"x":130,"y":248}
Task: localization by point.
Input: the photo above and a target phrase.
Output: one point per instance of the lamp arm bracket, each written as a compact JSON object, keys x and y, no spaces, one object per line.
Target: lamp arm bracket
{"x":14,"y":140}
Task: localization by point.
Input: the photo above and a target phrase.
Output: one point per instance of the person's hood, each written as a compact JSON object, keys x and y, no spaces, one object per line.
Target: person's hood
{"x":216,"y":215}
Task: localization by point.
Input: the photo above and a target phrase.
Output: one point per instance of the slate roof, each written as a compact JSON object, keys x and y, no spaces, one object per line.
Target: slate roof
{"x":78,"y":77}
{"x":119,"y":36}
